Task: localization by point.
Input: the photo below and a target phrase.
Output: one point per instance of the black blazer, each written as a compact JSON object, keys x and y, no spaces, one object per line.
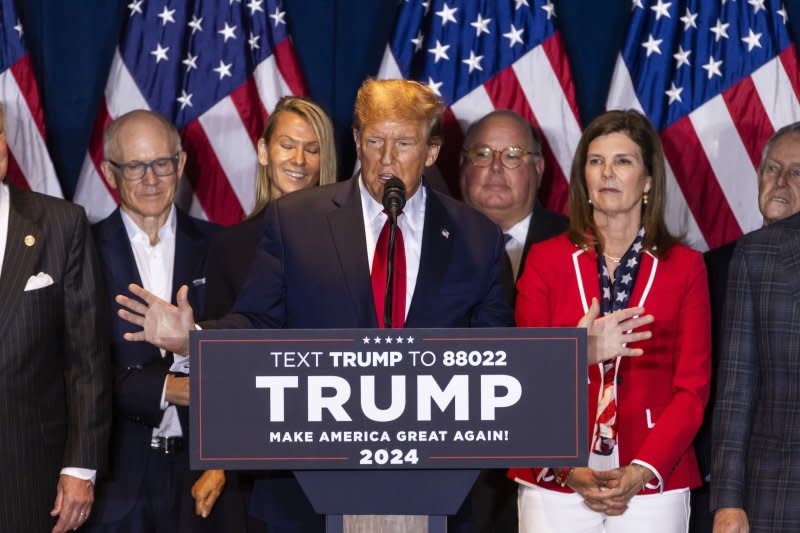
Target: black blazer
{"x":54,"y":372}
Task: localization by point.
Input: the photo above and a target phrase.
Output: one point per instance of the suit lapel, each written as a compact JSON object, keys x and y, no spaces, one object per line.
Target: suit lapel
{"x":189,"y":248}
{"x":115,"y":248}
{"x":438,"y":233}
{"x":23,"y":221}
{"x":346,"y":225}
{"x":584,"y":263}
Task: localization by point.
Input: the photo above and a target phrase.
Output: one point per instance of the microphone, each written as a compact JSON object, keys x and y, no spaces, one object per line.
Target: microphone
{"x":394,"y":196}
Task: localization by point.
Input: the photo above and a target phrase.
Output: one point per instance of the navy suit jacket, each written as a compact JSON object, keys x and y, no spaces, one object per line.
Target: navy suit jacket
{"x":139,"y":369}
{"x":312,"y":270}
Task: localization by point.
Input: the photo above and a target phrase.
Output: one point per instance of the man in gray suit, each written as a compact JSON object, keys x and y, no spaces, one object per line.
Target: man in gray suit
{"x":54,"y":371}
{"x":756,"y":458}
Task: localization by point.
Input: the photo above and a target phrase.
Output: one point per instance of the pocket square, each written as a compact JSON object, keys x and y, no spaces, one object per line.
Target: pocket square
{"x":39,"y":281}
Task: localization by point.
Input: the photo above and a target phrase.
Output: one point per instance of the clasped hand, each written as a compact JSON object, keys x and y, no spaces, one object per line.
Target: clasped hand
{"x":163,"y":324}
{"x":609,"y":491}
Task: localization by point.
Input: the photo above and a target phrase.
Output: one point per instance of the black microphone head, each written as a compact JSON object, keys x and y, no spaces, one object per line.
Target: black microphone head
{"x":394,"y":195}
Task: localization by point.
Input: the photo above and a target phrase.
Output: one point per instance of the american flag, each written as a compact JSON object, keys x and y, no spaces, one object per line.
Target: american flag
{"x":29,"y":164}
{"x":716,"y":78}
{"x":215,"y":69}
{"x":481,"y":55}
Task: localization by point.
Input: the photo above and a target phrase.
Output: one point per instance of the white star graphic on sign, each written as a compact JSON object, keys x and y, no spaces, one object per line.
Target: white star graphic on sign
{"x":757,"y":5}
{"x":434,"y":86}
{"x":255,"y":5}
{"x":661,"y":9}
{"x":682,"y":57}
{"x":399,"y":340}
{"x":521,"y":3}
{"x":447,"y":14}
{"x":410,"y":339}
{"x":190,"y":61}
{"x":514,"y":36}
{"x":689,"y":20}
{"x":782,"y":13}
{"x":185,"y":99}
{"x":674,"y":93}
{"x":366,"y":340}
{"x":196,"y":23}
{"x":637,"y":3}
{"x":481,"y":25}
{"x":713,"y":67}
{"x":439,"y":51}
{"x":160,"y":53}
{"x":136,"y":7}
{"x":223,"y":69}
{"x":417,"y":41}
{"x":550,"y":9}
{"x":720,"y":30}
{"x":18,"y":28}
{"x":228,"y":32}
{"x":474,"y":62}
{"x":652,"y":45}
{"x":753,"y":40}
{"x":626,"y":279}
{"x":278,"y":17}
{"x":166,"y":16}
{"x":388,"y":340}
{"x":377,"y":340}
{"x":253,"y":41}
{"x":632,"y":262}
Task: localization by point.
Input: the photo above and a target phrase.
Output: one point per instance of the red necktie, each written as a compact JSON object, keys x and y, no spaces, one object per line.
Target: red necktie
{"x":378,"y":275}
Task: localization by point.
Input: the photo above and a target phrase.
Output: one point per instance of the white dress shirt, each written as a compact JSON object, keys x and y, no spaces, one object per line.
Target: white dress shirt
{"x":156,"y":263}
{"x":411,"y":223}
{"x":5,"y":206}
{"x":514,"y":246}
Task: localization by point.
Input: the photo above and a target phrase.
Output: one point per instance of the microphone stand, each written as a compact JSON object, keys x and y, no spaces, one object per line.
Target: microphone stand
{"x":387,"y":302}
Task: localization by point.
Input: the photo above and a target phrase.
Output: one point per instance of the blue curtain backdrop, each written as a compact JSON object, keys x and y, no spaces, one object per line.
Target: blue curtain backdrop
{"x":338,"y":43}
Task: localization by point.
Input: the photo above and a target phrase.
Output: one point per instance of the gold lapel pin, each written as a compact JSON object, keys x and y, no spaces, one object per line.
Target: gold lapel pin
{"x":30,"y":240}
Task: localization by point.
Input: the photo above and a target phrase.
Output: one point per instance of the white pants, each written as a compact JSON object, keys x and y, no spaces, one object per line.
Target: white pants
{"x":548,"y":511}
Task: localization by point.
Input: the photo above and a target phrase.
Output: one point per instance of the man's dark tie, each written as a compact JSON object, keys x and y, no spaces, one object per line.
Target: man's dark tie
{"x":378,"y":275}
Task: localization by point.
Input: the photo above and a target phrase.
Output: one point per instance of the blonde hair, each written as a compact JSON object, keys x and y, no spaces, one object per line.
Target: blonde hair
{"x":379,"y":100}
{"x":582,"y":228}
{"x":323,"y":129}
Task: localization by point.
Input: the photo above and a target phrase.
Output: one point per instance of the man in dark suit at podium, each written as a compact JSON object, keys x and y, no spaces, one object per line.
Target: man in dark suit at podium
{"x":324,"y":278}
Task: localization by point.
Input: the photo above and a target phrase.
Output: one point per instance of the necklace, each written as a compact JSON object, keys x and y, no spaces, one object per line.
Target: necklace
{"x":615,"y":260}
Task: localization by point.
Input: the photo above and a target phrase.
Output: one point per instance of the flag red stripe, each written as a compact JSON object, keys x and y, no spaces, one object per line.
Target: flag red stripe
{"x":789,"y":61}
{"x":102,"y":120}
{"x":289,"y":67}
{"x":208,"y":179}
{"x":699,"y":185}
{"x":505,"y":93}
{"x":554,"y":50}
{"x":449,"y":161}
{"x":250,"y":108}
{"x":749,"y":117}
{"x":22,"y":71}
{"x":15,"y":175}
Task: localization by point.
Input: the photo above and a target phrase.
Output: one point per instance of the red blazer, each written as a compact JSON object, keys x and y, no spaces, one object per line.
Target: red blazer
{"x":661,"y":394}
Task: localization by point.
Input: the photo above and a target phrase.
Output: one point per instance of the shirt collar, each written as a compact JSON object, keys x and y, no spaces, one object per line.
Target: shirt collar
{"x":414,"y":209}
{"x":519,"y":231}
{"x":136,"y":234}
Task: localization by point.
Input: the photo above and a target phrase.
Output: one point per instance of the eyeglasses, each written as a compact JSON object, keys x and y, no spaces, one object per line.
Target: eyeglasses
{"x":511,"y":156}
{"x":135,"y":170}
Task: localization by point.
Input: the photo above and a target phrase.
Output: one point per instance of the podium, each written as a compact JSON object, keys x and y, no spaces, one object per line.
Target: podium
{"x":388,"y":422}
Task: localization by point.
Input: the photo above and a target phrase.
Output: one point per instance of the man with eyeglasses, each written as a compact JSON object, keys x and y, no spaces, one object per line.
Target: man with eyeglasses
{"x":148,"y":241}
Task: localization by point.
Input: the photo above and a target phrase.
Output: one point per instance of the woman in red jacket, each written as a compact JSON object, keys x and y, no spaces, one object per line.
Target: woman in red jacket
{"x":643,"y":411}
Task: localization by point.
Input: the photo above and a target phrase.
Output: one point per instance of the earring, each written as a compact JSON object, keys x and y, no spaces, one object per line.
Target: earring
{"x":645,"y":197}
{"x":590,"y":201}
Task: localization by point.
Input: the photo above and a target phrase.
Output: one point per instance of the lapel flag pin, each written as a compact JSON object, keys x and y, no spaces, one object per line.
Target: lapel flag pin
{"x":445,"y":233}
{"x":30,"y":240}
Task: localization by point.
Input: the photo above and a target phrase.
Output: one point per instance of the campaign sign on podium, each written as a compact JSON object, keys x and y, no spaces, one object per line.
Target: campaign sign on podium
{"x":352,"y":399}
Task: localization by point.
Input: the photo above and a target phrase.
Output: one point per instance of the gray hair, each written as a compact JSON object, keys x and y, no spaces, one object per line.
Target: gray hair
{"x":112,"y":130}
{"x":794,"y":127}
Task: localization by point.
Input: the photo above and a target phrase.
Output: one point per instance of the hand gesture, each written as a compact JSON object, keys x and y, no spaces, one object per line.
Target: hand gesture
{"x":620,"y":485}
{"x":731,"y":520}
{"x":585,"y":482}
{"x":610,"y":335}
{"x":74,"y":498}
{"x":206,"y":490}
{"x":163,"y":324}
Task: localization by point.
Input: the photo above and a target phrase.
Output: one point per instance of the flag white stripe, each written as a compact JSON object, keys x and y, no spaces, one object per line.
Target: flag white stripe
{"x":271,"y":85}
{"x":234,"y":149}
{"x":389,"y":69}
{"x":550,"y":105}
{"x":122,"y":94}
{"x":679,"y":217}
{"x":729,"y":160}
{"x":92,"y":194}
{"x":472,"y":107}
{"x":776,"y":93}
{"x":25,"y":140}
